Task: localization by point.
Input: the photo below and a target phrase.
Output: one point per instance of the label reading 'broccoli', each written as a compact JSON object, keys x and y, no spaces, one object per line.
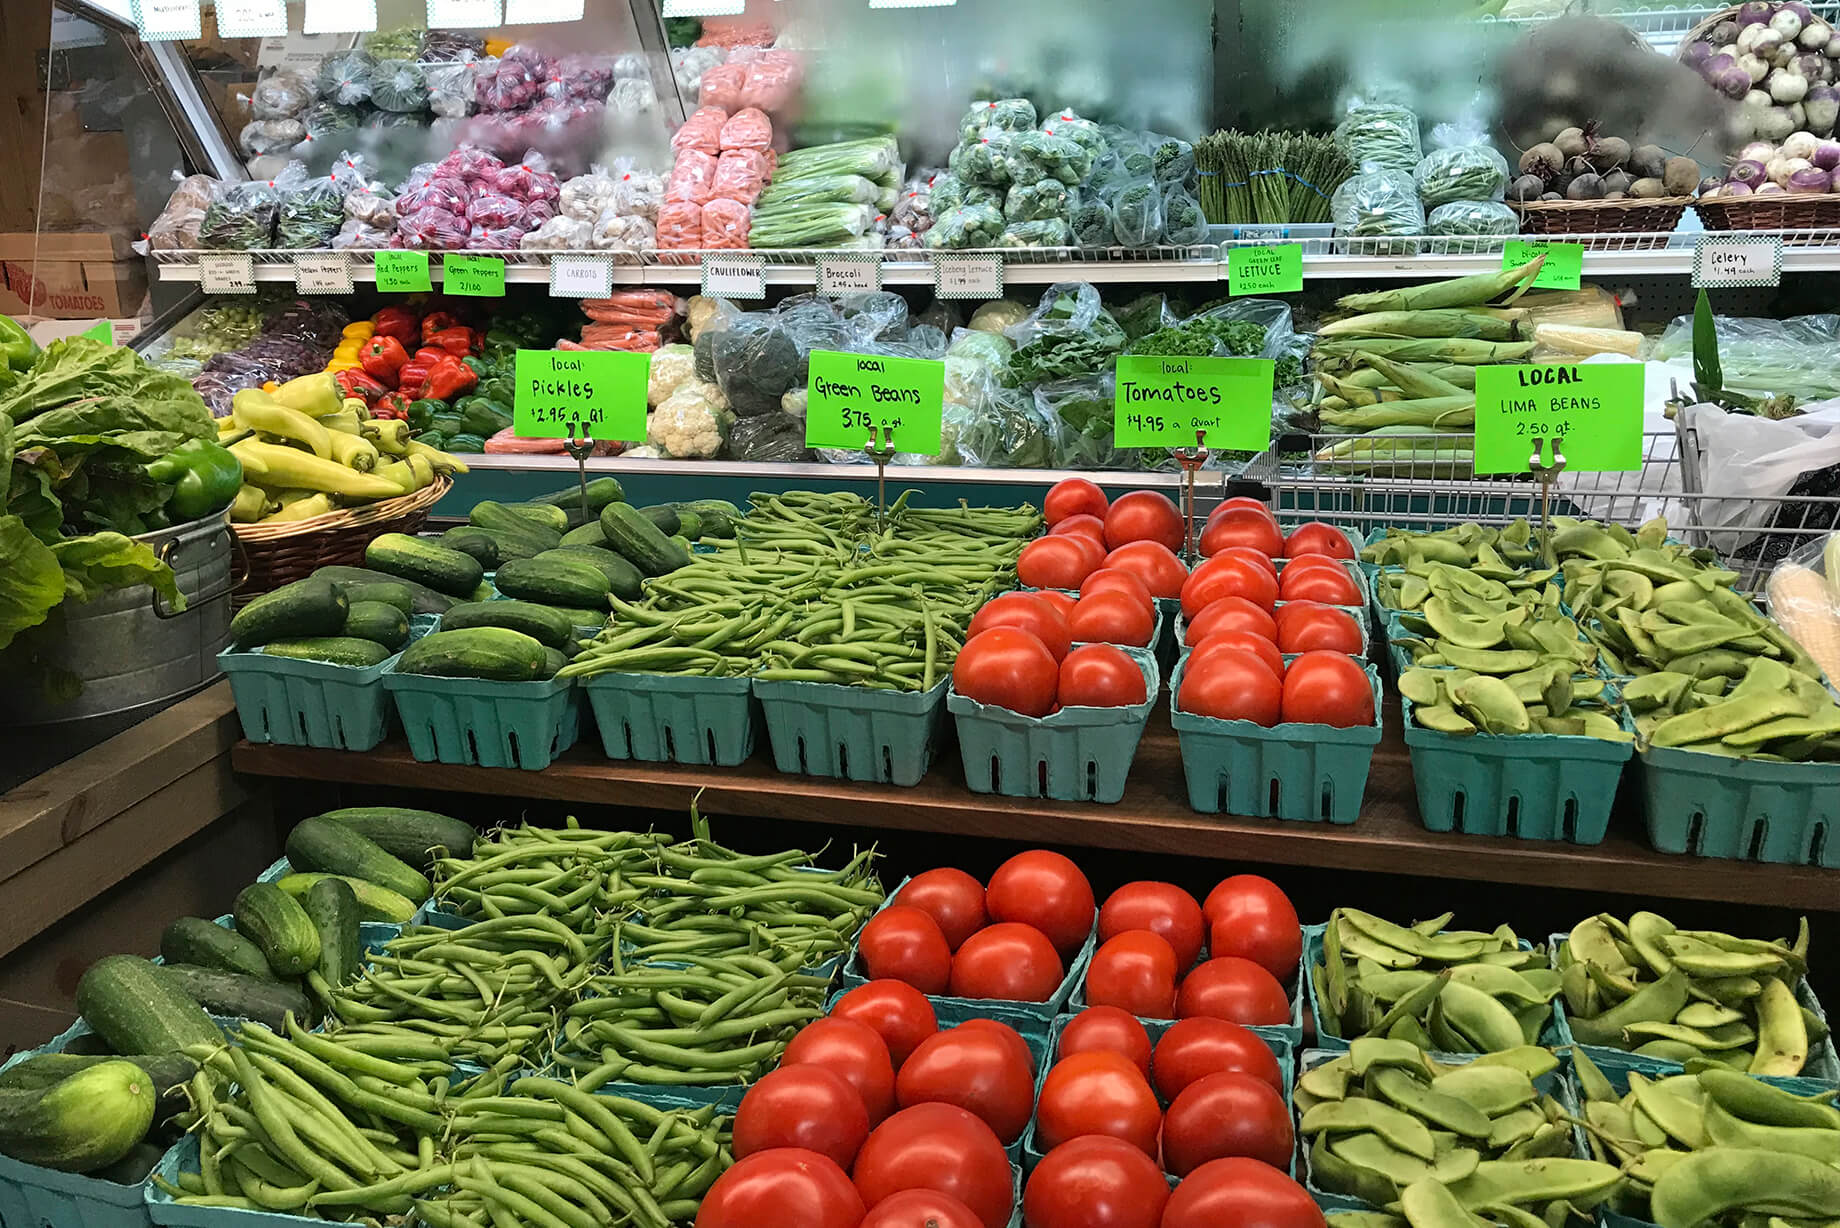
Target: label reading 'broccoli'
{"x":849,"y":396}
{"x":1590,"y":414}
{"x":473,"y":276}
{"x":581,"y":394}
{"x":1277,"y":269}
{"x":402,"y":271}
{"x":1564,"y":262}
{"x":1165,"y":402}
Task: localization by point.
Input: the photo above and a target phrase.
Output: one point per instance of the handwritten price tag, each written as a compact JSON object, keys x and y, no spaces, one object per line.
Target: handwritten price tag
{"x":325,"y":273}
{"x":734,"y":276}
{"x":581,"y":394}
{"x":967,"y":276}
{"x":1265,"y":270}
{"x":1562,"y":270}
{"x":848,"y":395}
{"x":473,"y":276}
{"x":840,"y":276}
{"x":1737,"y":260}
{"x":227,"y":273}
{"x":463,"y":14}
{"x":1593,"y":409}
{"x":158,"y":20}
{"x":339,"y":17}
{"x":402,"y":271}
{"x":1162,"y":402}
{"x":577,"y":276}
{"x":252,"y":19}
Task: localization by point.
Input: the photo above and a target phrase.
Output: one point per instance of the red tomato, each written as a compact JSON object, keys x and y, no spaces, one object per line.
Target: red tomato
{"x":1135,"y":971}
{"x":900,"y":1014}
{"x":1227,"y":576}
{"x":1231,"y":686}
{"x":1192,"y":1048}
{"x":1240,"y":1193}
{"x":1222,"y":1115}
{"x":1241,"y":503}
{"x":1060,"y":560}
{"x":1008,"y":668}
{"x":1108,"y":578}
{"x":1318,"y":538}
{"x":1010,"y":961}
{"x":1073,"y":497}
{"x":1143,"y":516}
{"x":1258,"y":558}
{"x":1162,"y":908}
{"x":1330,"y":586}
{"x":1235,"y":989}
{"x":921,"y":1209}
{"x":1097,"y":1093}
{"x":951,"y":897}
{"x":1100,"y":676}
{"x":904,"y":944}
{"x":1252,"y":918}
{"x":979,"y":1072}
{"x":1306,"y":626}
{"x":1239,"y":642}
{"x":1085,"y":526}
{"x":851,"y":1050}
{"x":1026,"y":612}
{"x":1094,"y":1182}
{"x":787,"y":1187}
{"x":938,"y":1147}
{"x":1107,"y":1029}
{"x":1153,"y":563}
{"x":1059,"y":600}
{"x":1008,"y":1035}
{"x":802,"y":1106}
{"x":1230,"y":614}
{"x":1112,"y":618}
{"x":1315,"y":562}
{"x":1240,"y":527}
{"x":1045,"y":890}
{"x":1328,"y":688}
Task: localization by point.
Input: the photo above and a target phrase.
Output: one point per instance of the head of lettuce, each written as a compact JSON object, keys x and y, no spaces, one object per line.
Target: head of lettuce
{"x":78,"y":428}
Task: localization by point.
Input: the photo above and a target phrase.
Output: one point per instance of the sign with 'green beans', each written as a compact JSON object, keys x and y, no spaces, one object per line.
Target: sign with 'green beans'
{"x":1164,"y":402}
{"x":1589,"y":412}
{"x":851,"y":396}
{"x":581,"y":394}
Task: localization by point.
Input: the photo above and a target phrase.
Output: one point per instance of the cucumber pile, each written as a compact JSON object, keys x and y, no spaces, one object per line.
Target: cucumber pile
{"x":339,"y":622}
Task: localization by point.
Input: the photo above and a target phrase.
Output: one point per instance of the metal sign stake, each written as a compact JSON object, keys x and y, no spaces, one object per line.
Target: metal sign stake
{"x":580,"y":449}
{"x":1546,"y":473}
{"x":1191,"y":460}
{"x":881,"y":456}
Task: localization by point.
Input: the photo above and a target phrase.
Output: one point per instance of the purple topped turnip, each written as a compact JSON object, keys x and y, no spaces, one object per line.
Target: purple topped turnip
{"x":1787,"y":22}
{"x":1787,"y":87}
{"x":1809,"y":179}
{"x":1754,"y":12}
{"x":1822,"y":105}
{"x":1735,"y":189}
{"x":1724,"y":34}
{"x":1747,"y":173}
{"x":1826,"y":155}
{"x":1766,"y":188}
{"x":1815,"y":35}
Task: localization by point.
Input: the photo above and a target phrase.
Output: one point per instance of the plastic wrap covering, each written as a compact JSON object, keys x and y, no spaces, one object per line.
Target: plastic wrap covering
{"x":817,"y":189}
{"x":494,"y":238}
{"x":1378,"y":203}
{"x":281,"y":94}
{"x":1080,"y":411}
{"x":345,"y":77}
{"x":775,"y":438}
{"x":507,"y":85}
{"x":1485,"y":219}
{"x":756,"y":361}
{"x":748,"y":128}
{"x":740,"y":175}
{"x":1171,"y":160}
{"x":586,"y":197}
{"x":1137,"y":214}
{"x":1381,"y":135}
{"x":529,"y":179}
{"x":587,"y":76}
{"x":432,"y":229}
{"x":970,"y":226}
{"x":323,"y":119}
{"x":636,"y":192}
{"x":494,"y":209}
{"x":690,"y":65}
{"x":629,"y":232}
{"x":296,"y":342}
{"x":1047,"y":232}
{"x":261,"y":137}
{"x":443,"y":193}
{"x":357,"y":236}
{"x":693,"y":177}
{"x":240,"y":216}
{"x":1002,"y":429}
{"x":312,"y":207}
{"x":398,"y":85}
{"x":672,"y":367}
{"x":632,"y":96}
{"x":772,"y":78}
{"x":451,"y":88}
{"x":560,"y":234}
{"x":680,"y":225}
{"x":1461,"y":172}
{"x":1799,"y":356}
{"x":725,"y":225}
{"x":1183,"y":221}
{"x":176,"y":229}
{"x":442,"y":45}
{"x":1048,"y":198}
{"x":1003,"y":114}
{"x":701,"y":132}
{"x":397,"y":43}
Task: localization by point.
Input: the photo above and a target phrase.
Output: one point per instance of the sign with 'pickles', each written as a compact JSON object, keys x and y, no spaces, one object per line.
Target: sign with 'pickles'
{"x":581,"y":394}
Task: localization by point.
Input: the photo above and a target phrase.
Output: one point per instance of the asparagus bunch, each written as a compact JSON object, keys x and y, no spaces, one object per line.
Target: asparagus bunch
{"x":1268,"y":178}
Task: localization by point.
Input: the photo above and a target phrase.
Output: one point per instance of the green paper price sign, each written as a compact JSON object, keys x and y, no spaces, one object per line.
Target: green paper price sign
{"x":849,"y":396}
{"x":1562,"y":270}
{"x":576,"y":394}
{"x":404,"y":271}
{"x":474,"y":276}
{"x":1265,"y":270}
{"x":103,"y":332}
{"x":1162,"y":402}
{"x":1592,"y":410}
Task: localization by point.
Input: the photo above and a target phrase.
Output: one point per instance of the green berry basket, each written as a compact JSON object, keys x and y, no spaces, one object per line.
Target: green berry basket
{"x":1742,"y":809}
{"x":1305,"y":773}
{"x":478,"y":722}
{"x":673,"y":718}
{"x":291,"y":702}
{"x":1073,"y":755}
{"x":852,"y":733}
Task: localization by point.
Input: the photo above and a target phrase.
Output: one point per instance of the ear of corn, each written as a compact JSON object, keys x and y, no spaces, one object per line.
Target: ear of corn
{"x":1472,"y":291}
{"x":1443,"y":322}
{"x":1416,"y":381}
{"x":1801,"y":603}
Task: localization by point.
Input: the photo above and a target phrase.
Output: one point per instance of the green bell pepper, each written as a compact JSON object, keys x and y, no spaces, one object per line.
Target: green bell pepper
{"x":422,"y":412}
{"x":466,"y":443}
{"x":482,"y":416}
{"x":500,"y":388}
{"x":16,"y":347}
{"x":204,"y":476}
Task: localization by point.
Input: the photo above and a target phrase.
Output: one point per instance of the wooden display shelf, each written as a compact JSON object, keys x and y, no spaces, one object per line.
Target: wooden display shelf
{"x":1153,"y":817}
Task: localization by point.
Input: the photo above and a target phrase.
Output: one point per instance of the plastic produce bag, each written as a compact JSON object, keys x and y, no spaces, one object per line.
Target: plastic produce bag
{"x":448,"y":195}
{"x":725,"y":225}
{"x":559,"y":234}
{"x":432,"y":229}
{"x":494,"y":210}
{"x":819,"y":189}
{"x":1461,"y":172}
{"x":1378,"y":203}
{"x":1171,"y":160}
{"x":1183,"y":221}
{"x":1485,"y":218}
{"x":312,"y":207}
{"x":636,"y":191}
{"x":1002,"y":430}
{"x":356,"y":235}
{"x":628,"y":232}
{"x":451,"y":88}
{"x":1003,"y":114}
{"x":772,"y":81}
{"x":1082,"y":409}
{"x":1048,"y":232}
{"x":672,"y":367}
{"x":494,"y":238}
{"x":701,"y":132}
{"x":241,"y":217}
{"x":985,"y":160}
{"x":1049,"y":198}
{"x":345,"y":77}
{"x":586,"y":197}
{"x":176,"y":229}
{"x":693,"y":177}
{"x":690,"y":65}
{"x":322,"y":119}
{"x":1137,"y":214}
{"x":756,"y":361}
{"x":1382,"y":135}
{"x":748,"y":128}
{"x":261,"y":137}
{"x":945,"y":193}
{"x":398,"y":85}
{"x":1084,"y":132}
{"x":740,"y":175}
{"x":723,"y":85}
{"x":1748,"y":462}
{"x":1038,"y":155}
{"x":972,"y":226}
{"x":777,"y":438}
{"x":281,"y":94}
{"x":1799,"y":356}
{"x":680,"y":225}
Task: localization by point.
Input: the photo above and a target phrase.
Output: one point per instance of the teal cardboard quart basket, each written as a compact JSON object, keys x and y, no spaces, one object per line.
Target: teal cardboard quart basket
{"x":481,"y":723}
{"x":667,"y":718}
{"x":852,"y":733}
{"x":313,"y":703}
{"x":1073,"y":755}
{"x":1742,"y":809}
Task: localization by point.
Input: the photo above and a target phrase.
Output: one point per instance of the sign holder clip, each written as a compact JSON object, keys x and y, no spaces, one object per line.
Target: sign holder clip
{"x":1191,"y":460}
{"x":881,"y":456}
{"x":580,"y":448}
{"x":1546,"y":473}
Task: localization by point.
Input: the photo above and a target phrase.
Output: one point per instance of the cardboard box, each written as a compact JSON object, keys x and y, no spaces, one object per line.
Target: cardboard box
{"x":72,"y":289}
{"x":22,"y":247}
{"x":44,"y":330}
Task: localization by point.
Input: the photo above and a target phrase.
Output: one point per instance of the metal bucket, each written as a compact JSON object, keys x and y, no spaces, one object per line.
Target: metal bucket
{"x":129,"y":648}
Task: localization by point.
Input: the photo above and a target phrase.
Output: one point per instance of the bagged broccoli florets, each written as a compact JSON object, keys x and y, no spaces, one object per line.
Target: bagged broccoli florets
{"x":1092,"y":224}
{"x":1084,"y":132}
{"x":1050,"y":232}
{"x":1036,"y":202}
{"x":755,"y":365}
{"x":1003,"y":114}
{"x":947,"y":193}
{"x":1172,"y":161}
{"x":1060,"y":157}
{"x":1183,"y":221}
{"x":778,"y":438}
{"x":1137,"y":214}
{"x":969,"y":226}
{"x":984,"y":159}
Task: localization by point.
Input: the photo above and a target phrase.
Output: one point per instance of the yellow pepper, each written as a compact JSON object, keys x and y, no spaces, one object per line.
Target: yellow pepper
{"x":359,"y":330}
{"x":290,"y":467}
{"x":250,"y":505}
{"x":302,"y":509}
{"x":441,"y":461}
{"x":347,"y":349}
{"x":341,"y":364}
{"x":260,"y":412}
{"x":389,"y":434}
{"x":353,"y":452}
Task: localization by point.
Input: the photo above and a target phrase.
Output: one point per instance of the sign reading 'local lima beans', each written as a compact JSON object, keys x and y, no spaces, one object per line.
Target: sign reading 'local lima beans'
{"x":1593,"y":411}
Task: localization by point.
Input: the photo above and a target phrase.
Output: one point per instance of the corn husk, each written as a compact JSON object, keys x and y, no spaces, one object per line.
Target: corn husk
{"x":1442,"y":322}
{"x":1568,"y":341}
{"x":1589,"y":307}
{"x":1406,"y":451}
{"x":1471,"y":291}
{"x":1466,"y":351}
{"x":1415,"y":381}
{"x":1428,"y":413}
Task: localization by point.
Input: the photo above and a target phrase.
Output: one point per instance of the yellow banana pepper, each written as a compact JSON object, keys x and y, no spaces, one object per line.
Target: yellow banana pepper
{"x":260,"y":412}
{"x":389,"y":434}
{"x":353,"y":451}
{"x":442,"y":462}
{"x":303,"y":509}
{"x":290,"y":467}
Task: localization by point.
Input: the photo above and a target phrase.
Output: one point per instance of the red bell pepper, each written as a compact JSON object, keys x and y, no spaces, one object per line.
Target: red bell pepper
{"x":458,"y":340}
{"x":397,"y":322}
{"x":391,"y":405}
{"x":353,"y":382}
{"x":415,"y":377}
{"x":436,"y":321}
{"x":382,"y":359}
{"x":450,"y":378}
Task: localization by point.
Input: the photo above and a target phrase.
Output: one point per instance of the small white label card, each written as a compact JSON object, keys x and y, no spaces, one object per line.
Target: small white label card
{"x":577,"y":276}
{"x":850,"y":273}
{"x":322,"y":273}
{"x":165,"y":20}
{"x":956,"y":276}
{"x":1737,"y":260}
{"x":704,"y":8}
{"x":734,"y":276}
{"x":534,"y":12}
{"x":464,"y":14}
{"x":252,"y":18}
{"x":339,"y":17}
{"x":227,"y":273}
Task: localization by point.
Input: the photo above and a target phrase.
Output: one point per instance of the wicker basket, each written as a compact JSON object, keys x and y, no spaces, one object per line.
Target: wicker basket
{"x":1655,"y":217}
{"x":1787,"y":211}
{"x":282,"y":553}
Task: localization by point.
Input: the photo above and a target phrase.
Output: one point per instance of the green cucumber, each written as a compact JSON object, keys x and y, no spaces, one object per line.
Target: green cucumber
{"x":425,"y":562}
{"x":334,"y":649}
{"x":473,"y":540}
{"x":553,"y":660}
{"x":390,"y":592}
{"x":374,"y":903}
{"x":332,"y":906}
{"x":426,"y":600}
{"x":378,"y":622}
{"x":87,"y":1122}
{"x":170,"y":1072}
{"x":306,"y":608}
{"x":689,"y":524}
{"x":547,"y":625}
{"x":238,"y":996}
{"x":412,"y":835}
{"x":548,"y":515}
{"x":193,"y":940}
{"x":601,"y":492}
{"x":664,"y":517}
{"x":640,"y":541}
{"x":133,"y":1009}
{"x":274,"y":921}
{"x":548,"y":525}
{"x":495,"y":653}
{"x":623,"y":579}
{"x":556,"y":579}
{"x":321,"y":846}
{"x":588,"y":534}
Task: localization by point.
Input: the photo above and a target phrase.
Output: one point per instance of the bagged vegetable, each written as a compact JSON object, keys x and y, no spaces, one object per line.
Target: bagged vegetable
{"x":1049,"y":198}
{"x":1485,"y":218}
{"x":261,"y":137}
{"x":637,"y":192}
{"x":748,"y":128}
{"x":723,"y":85}
{"x":493,"y":209}
{"x":1051,"y":232}
{"x":1183,"y":221}
{"x":1171,"y":161}
{"x":672,"y":367}
{"x":1082,"y":410}
{"x":1084,"y":132}
{"x":322,"y":119}
{"x":345,"y":77}
{"x":756,"y":361}
{"x":632,"y":96}
{"x":773,"y":79}
{"x":629,"y":232}
{"x":680,"y":225}
{"x":1132,"y":151}
{"x":844,"y":189}
{"x":312,"y":207}
{"x":817,"y":225}
{"x":998,"y":316}
{"x":971,"y":226}
{"x":448,"y":195}
{"x":1137,"y":214}
{"x":1002,"y":430}
{"x":946,"y":192}
{"x":1461,"y":172}
{"x":1068,"y":334}
{"x":586,"y":197}
{"x":280,"y":94}
{"x":1003,"y":114}
{"x":690,"y":65}
{"x":877,"y":158}
{"x":740,"y":175}
{"x":973,"y":361}
{"x":451,"y":88}
{"x":1378,"y":203}
{"x":240,"y":217}
{"x":693,"y":177}
{"x":725,"y":225}
{"x":398,"y":85}
{"x":176,"y":229}
{"x":777,"y":438}
{"x":1037,"y":155}
{"x":432,"y":229}
{"x":984,"y":161}
{"x":1381,"y":135}
{"x":559,"y":234}
{"x":358,"y":236}
{"x":1092,"y":224}
{"x":701,"y":132}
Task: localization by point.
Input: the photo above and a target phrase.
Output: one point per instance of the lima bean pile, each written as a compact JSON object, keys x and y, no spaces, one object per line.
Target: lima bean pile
{"x":814,"y":588}
{"x":1688,"y":995}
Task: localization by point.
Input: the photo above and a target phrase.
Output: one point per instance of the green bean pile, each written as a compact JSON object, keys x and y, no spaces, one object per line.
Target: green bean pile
{"x":570,"y":874}
{"x":815,"y":588}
